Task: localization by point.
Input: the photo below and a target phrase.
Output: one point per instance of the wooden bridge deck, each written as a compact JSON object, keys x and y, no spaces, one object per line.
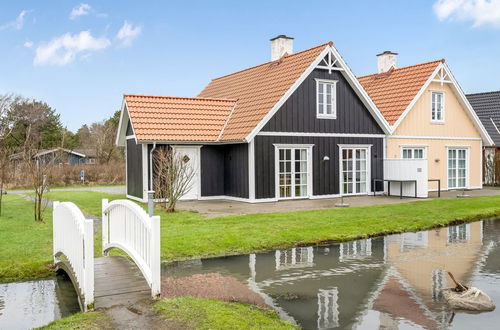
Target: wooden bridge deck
{"x":118,"y":281}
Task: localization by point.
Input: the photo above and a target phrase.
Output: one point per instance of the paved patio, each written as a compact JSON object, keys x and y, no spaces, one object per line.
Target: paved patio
{"x":215,"y":208}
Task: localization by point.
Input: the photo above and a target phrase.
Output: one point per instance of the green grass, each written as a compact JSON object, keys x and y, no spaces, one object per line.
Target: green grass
{"x":88,"y":201}
{"x":92,"y":320}
{"x":25,"y":245}
{"x":70,"y":186}
{"x":201,"y":314}
{"x":187,"y":234}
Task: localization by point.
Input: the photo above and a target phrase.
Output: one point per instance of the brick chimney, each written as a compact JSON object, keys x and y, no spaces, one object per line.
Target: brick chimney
{"x":386,"y":61}
{"x":281,"y":45}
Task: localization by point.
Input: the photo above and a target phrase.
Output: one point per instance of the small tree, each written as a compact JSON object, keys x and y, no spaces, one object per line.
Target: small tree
{"x":6,"y":127}
{"x":173,"y":176}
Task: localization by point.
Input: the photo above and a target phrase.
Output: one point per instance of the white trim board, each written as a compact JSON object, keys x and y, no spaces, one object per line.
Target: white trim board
{"x":251,"y":170}
{"x":121,"y":133}
{"x":312,"y":134}
{"x":346,"y":72}
{"x":434,"y":137}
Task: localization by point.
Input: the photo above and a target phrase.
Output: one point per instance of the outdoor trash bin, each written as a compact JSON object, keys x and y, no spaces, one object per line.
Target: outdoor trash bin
{"x":471,"y":300}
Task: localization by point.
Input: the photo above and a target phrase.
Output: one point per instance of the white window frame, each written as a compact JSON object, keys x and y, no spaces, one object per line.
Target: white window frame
{"x":277,"y":148}
{"x":467,"y":166}
{"x":443,"y":107}
{"x":324,"y":115}
{"x":405,"y":147}
{"x":368,"y":148}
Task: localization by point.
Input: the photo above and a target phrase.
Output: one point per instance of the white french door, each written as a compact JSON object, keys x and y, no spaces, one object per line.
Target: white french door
{"x":457,"y":168}
{"x":354,"y":170}
{"x":293,"y":172}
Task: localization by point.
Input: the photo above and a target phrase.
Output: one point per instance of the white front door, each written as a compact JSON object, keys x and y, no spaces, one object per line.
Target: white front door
{"x":457,"y":168}
{"x":354,"y":170}
{"x":191,"y":155}
{"x":293,"y":172}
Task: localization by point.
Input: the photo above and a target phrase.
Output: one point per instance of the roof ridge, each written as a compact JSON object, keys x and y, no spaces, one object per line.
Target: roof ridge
{"x":491,"y":92}
{"x":183,"y":97}
{"x":275,"y":61}
{"x":404,"y":67}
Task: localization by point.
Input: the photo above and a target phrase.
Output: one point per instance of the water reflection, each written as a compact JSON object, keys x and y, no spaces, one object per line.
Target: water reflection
{"x":25,"y":305}
{"x":391,"y":282}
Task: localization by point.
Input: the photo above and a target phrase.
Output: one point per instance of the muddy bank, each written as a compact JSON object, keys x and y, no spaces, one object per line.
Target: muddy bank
{"x":210,"y":286}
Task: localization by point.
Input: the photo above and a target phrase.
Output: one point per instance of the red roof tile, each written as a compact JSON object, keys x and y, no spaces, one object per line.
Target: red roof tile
{"x":258,"y":89}
{"x":393,"y":91}
{"x":166,"y":118}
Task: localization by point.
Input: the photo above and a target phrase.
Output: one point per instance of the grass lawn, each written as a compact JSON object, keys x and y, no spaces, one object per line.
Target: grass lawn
{"x":185,"y":313}
{"x":25,"y":245}
{"x":91,"y":320}
{"x":194,"y":313}
{"x":188,"y":234}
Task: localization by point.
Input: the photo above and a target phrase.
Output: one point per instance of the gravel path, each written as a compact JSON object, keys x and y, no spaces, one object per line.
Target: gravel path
{"x":107,"y":190}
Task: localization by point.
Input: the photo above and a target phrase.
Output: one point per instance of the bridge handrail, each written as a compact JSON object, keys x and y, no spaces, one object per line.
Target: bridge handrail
{"x":125,"y":225}
{"x":73,"y":237}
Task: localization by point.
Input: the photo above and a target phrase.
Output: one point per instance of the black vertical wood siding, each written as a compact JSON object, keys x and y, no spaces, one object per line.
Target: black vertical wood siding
{"x":130,"y":131}
{"x":224,"y":170}
{"x":298,"y":113}
{"x":212,"y":170}
{"x":134,"y":169}
{"x":236,"y":170}
{"x":326,"y":174}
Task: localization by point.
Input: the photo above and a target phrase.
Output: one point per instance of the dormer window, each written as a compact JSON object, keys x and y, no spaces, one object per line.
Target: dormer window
{"x":326,"y":99}
{"x":437,"y":107}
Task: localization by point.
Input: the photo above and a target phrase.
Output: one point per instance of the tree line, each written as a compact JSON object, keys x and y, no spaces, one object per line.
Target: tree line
{"x":29,"y":126}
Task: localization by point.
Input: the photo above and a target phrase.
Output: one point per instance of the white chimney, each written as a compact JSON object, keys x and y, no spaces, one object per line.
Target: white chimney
{"x":386,"y":61}
{"x":281,"y":45}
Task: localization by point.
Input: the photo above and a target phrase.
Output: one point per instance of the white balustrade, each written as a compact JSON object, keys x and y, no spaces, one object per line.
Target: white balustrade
{"x":125,"y":225}
{"x":74,"y":244}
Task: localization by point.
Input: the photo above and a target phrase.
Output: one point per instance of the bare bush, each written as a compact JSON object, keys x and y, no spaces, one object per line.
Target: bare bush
{"x":173,"y":176}
{"x":112,"y":173}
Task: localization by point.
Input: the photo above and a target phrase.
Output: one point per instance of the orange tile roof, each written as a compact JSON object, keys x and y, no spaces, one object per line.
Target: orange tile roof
{"x":258,"y":89}
{"x":166,"y":118}
{"x":393,"y":91}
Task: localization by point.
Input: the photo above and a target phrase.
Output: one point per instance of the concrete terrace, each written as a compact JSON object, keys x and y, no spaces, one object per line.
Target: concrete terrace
{"x":216,"y":208}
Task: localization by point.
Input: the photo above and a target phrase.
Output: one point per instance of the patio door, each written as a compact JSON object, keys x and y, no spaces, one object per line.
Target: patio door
{"x":354,"y":170}
{"x":457,"y":168}
{"x":293,"y":172}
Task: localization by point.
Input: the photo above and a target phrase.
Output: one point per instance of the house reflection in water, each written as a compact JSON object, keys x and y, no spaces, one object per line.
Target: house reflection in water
{"x":416,"y":272}
{"x":388,"y":282}
{"x":319,"y":287}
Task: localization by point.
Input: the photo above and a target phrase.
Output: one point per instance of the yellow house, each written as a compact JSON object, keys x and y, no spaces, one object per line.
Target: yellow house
{"x":431,"y":121}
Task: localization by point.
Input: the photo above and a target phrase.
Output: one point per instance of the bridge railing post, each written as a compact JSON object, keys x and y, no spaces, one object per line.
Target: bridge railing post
{"x":155,"y":257}
{"x":55,"y":231}
{"x":89,"y":264}
{"x":105,"y":225}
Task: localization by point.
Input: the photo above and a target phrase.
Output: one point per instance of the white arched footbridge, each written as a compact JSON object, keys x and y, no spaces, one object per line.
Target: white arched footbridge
{"x":107,"y":281}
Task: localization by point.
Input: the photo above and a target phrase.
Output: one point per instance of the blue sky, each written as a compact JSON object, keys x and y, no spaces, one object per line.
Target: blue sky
{"x":80,"y":57}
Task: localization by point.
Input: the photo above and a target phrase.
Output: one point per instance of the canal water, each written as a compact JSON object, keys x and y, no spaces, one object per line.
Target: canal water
{"x":26,"y":305}
{"x":390,"y":282}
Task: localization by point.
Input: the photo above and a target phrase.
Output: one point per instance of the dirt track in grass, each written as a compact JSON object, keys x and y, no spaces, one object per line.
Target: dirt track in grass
{"x":211,"y":286}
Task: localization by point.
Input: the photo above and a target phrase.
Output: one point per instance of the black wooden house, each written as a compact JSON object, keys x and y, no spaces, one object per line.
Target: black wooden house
{"x":300,"y":126}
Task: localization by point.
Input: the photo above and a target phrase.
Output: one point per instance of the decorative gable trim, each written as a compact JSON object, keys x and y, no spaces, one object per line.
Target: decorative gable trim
{"x":329,"y":63}
{"x":335,"y":62}
{"x":444,"y":75}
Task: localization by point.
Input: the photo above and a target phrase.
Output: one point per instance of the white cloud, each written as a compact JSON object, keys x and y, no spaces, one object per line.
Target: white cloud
{"x":18,"y":23}
{"x":64,"y":49}
{"x":28,"y":44}
{"x":128,"y":33}
{"x":80,"y":10}
{"x":479,"y":12}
